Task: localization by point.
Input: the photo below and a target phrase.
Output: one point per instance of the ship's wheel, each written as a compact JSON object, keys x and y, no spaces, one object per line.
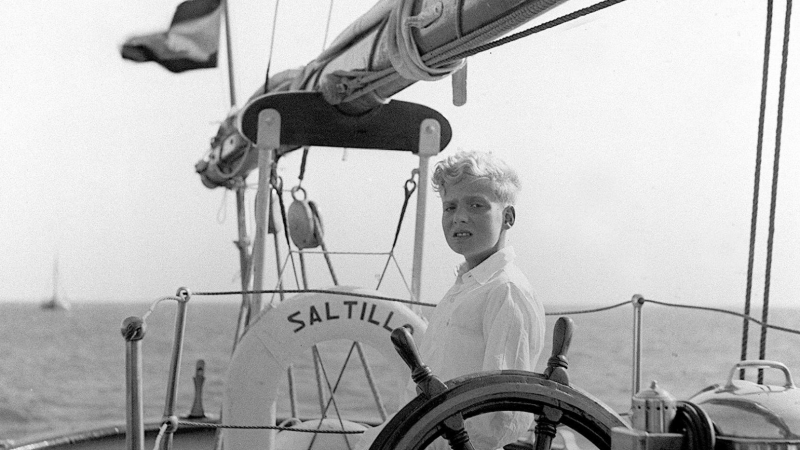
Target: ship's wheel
{"x":441,"y":408}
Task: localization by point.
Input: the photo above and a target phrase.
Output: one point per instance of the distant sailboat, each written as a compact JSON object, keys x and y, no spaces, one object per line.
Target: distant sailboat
{"x":55,"y":302}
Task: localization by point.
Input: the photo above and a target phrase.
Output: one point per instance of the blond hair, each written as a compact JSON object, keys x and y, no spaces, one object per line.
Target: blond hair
{"x":503,"y":178}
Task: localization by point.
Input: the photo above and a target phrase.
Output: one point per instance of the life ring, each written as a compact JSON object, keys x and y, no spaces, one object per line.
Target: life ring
{"x":284,"y":334}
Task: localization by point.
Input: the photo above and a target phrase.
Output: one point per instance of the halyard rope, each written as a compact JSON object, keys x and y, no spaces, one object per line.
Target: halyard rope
{"x":161,"y":431}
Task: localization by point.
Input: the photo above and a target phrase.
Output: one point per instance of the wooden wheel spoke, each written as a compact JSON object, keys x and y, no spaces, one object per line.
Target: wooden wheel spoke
{"x":546,"y":424}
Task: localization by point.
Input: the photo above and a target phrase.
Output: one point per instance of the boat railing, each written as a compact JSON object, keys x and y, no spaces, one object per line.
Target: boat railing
{"x":638,"y":302}
{"x":134,"y":330}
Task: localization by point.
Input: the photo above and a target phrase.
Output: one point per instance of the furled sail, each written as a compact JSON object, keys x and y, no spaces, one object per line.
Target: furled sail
{"x":393,"y":45}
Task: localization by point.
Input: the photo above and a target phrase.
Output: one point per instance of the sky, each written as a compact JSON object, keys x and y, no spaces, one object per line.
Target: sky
{"x":634,"y":131}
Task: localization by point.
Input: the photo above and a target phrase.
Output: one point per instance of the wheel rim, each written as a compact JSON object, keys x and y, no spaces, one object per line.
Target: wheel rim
{"x":418,"y":423}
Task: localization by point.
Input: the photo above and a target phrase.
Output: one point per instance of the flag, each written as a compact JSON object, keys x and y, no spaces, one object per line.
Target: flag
{"x":192,"y":41}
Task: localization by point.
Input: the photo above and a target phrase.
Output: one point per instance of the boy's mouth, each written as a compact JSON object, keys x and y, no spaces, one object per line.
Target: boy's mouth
{"x":460,"y":234}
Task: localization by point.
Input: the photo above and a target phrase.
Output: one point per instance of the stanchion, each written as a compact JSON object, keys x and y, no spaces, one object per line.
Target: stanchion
{"x":175,"y":367}
{"x":636,"y":373}
{"x":133,"y":330}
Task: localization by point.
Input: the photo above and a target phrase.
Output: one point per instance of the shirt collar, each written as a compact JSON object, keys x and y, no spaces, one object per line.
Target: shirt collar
{"x":484,"y":271}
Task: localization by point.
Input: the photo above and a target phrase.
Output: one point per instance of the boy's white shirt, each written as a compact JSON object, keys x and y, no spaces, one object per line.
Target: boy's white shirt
{"x":488,"y":320}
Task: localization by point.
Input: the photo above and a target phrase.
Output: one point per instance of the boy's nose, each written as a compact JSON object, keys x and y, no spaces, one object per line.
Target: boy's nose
{"x":459,"y":215}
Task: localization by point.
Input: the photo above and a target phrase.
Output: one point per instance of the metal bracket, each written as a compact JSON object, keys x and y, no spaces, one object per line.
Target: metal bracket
{"x":430,"y":135}
{"x":269,"y":129}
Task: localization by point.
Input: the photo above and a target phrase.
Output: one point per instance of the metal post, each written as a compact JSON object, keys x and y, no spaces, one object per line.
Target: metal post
{"x":429,"y":145}
{"x":292,"y":393}
{"x":174,"y":370}
{"x":269,"y":127}
{"x":133,"y":329}
{"x":636,"y":373}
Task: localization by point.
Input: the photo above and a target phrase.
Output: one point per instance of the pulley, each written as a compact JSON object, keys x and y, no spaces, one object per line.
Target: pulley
{"x":305,"y":225}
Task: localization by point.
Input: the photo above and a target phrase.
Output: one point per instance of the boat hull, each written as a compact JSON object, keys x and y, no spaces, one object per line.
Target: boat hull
{"x":113,"y":438}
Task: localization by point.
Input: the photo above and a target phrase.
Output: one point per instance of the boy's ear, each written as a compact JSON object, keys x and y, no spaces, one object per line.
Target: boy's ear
{"x":509,"y":215}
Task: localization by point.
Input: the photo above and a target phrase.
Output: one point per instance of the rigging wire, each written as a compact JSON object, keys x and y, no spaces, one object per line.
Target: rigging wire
{"x":756,"y":184}
{"x":775,"y":167}
{"x":271,"y":45}
{"x":222,"y":211}
{"x":370,"y":81}
{"x":327,"y":26}
{"x":229,"y":49}
{"x":409,"y":188}
{"x":443,"y":56}
{"x":285,"y":220}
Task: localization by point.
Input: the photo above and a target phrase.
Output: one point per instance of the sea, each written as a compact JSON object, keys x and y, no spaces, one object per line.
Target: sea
{"x":64,"y":371}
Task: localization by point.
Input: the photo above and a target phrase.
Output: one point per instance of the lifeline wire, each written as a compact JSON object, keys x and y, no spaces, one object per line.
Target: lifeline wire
{"x":555,"y":313}
{"x":264,"y":427}
{"x":316,"y":291}
{"x":725,"y":311}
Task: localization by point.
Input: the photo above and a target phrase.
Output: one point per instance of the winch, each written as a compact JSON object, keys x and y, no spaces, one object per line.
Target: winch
{"x":749,"y":415}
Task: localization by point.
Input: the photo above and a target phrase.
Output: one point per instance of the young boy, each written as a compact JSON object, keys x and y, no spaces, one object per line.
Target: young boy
{"x":489,"y":320}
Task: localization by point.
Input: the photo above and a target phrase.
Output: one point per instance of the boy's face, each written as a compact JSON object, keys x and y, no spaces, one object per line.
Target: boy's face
{"x":474,"y":221}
